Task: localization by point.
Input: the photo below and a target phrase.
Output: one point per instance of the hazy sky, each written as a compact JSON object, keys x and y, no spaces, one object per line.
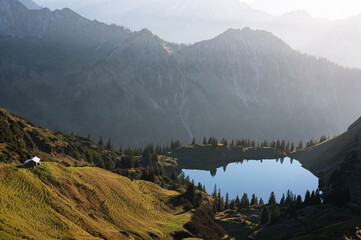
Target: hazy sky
{"x":331,"y":9}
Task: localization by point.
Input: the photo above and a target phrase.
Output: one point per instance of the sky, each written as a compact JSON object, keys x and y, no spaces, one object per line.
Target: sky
{"x":331,"y":9}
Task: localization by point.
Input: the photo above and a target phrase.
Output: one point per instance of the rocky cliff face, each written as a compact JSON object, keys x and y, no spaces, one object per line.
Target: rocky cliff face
{"x":66,"y":72}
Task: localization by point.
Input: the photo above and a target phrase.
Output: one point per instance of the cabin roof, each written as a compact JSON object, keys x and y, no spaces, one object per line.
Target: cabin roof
{"x":34,"y":159}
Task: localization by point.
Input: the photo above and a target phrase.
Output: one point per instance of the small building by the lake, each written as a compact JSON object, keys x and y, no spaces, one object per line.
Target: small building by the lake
{"x":32,"y":162}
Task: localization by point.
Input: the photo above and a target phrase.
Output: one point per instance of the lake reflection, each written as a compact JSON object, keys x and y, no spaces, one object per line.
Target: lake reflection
{"x":258,"y":177}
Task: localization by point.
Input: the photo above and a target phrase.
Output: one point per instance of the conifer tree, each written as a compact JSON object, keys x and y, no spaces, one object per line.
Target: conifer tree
{"x":193,"y":142}
{"x":283,"y":145}
{"x":214,"y":193}
{"x":300,"y":146}
{"x":276,"y":214}
{"x":219,"y":201}
{"x":101,"y":141}
{"x":288,"y":147}
{"x":254,"y":200}
{"x":109,"y":145}
{"x":282,"y":202}
{"x":173,"y":175}
{"x":289,"y":198}
{"x":318,"y":197}
{"x":237,"y":202}
{"x":191,"y":193}
{"x":101,"y":163}
{"x":278,"y":145}
{"x":226,"y":203}
{"x":244,"y":201}
{"x":204,"y":141}
{"x":322,"y":139}
{"x":261,"y":202}
{"x":272,"y":199}
{"x":307,"y":197}
{"x":292,"y":147}
{"x":265,"y":217}
{"x":299,"y":202}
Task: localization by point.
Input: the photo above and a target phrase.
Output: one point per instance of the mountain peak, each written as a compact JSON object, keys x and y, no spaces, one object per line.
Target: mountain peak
{"x":252,"y":38}
{"x":297,"y":14}
{"x":29,"y":4}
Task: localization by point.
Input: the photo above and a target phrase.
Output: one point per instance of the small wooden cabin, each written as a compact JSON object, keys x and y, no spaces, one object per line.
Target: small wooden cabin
{"x":32,"y":162}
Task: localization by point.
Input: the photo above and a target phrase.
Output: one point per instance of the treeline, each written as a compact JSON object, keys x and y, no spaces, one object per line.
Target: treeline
{"x":151,"y":152}
{"x":289,"y":203}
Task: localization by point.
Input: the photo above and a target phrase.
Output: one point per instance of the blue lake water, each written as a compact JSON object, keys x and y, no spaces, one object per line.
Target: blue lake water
{"x":258,"y":177}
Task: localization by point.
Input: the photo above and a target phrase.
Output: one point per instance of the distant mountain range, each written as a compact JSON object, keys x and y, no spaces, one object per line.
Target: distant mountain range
{"x":65,"y":72}
{"x":189,"y":21}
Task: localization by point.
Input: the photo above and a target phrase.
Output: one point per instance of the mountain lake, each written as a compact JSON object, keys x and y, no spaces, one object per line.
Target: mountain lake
{"x":259,"y":177}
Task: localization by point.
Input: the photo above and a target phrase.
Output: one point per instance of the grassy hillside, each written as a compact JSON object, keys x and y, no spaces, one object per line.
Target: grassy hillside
{"x":20,"y":139}
{"x":69,"y":197}
{"x":57,"y":202}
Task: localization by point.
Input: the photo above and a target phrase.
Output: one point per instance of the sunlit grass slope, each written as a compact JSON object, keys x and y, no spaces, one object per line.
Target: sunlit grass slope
{"x":57,"y":202}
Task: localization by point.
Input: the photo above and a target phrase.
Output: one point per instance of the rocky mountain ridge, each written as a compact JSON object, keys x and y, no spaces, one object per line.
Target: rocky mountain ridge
{"x":66,"y":72}
{"x":185,"y":21}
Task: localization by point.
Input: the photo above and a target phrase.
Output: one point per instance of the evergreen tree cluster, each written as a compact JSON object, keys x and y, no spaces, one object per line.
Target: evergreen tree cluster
{"x":284,"y":145}
{"x":291,"y":202}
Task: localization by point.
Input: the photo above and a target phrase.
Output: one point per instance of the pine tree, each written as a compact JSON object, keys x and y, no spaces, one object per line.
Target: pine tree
{"x":300,"y":146}
{"x":272,"y":199}
{"x":237,"y":203}
{"x":307,"y":197}
{"x":173,"y":175}
{"x":244,"y":201}
{"x":289,"y":198}
{"x":313,"y":198}
{"x":226,"y":203}
{"x":292,"y":147}
{"x":193,"y":142}
{"x":191,"y":193}
{"x":276,"y":214}
{"x":318,"y":197}
{"x":282,"y":202}
{"x":322,"y":139}
{"x":214,"y":193}
{"x":261,"y":202}
{"x":299,"y":202}
{"x":101,"y":141}
{"x":254,"y":200}
{"x":204,"y":141}
{"x":109,"y":145}
{"x":265,"y":217}
{"x":219,"y":201}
